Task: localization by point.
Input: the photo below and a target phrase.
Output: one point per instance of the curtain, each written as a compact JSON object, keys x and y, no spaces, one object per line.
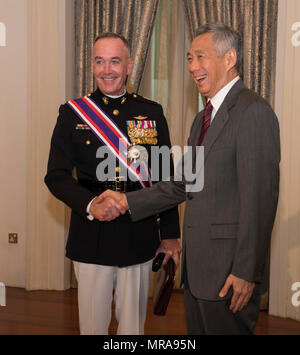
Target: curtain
{"x":256,"y":20}
{"x":131,"y":18}
{"x":172,"y":84}
{"x":167,"y":80}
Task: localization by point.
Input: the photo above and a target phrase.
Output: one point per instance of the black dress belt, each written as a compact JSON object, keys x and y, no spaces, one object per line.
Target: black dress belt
{"x":116,"y":185}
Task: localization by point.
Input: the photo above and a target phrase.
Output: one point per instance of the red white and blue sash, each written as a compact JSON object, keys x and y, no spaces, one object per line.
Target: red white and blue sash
{"x":109,"y":134}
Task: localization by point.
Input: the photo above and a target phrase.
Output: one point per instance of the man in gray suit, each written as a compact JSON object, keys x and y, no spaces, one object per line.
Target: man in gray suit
{"x":227,"y":225}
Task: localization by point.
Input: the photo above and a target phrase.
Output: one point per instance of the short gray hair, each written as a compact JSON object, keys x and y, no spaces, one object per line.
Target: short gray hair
{"x":224,"y":38}
{"x":114,"y":35}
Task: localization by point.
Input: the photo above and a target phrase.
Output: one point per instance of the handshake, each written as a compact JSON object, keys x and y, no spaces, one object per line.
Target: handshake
{"x":111,"y":204}
{"x":108,"y":206}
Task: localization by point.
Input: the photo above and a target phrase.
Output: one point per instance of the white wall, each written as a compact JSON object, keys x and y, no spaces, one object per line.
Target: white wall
{"x":36,"y":74}
{"x":13,"y":140}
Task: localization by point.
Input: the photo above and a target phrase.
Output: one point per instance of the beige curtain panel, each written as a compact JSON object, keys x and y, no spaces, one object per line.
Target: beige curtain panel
{"x":131,"y":18}
{"x":256,"y":20}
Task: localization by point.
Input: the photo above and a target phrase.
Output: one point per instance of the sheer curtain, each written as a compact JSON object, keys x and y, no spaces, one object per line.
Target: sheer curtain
{"x":166,"y":78}
{"x":131,"y":18}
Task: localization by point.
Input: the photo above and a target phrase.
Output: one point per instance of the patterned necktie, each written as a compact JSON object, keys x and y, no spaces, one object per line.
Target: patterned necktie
{"x":206,"y":121}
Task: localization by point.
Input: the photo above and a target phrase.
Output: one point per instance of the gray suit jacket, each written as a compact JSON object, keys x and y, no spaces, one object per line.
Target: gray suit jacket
{"x":227,"y":225}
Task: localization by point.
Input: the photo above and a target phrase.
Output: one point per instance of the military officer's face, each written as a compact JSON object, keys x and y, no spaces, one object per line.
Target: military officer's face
{"x":111,"y":65}
{"x":210,"y":71}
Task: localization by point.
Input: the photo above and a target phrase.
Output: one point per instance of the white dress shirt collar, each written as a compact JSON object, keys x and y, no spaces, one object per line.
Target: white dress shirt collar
{"x":218,"y":99}
{"x":116,"y":97}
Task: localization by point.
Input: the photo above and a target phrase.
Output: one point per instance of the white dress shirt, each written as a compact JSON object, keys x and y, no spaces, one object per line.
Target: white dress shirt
{"x":218,"y":99}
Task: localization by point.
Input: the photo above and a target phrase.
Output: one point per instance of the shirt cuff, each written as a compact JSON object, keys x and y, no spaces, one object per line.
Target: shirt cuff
{"x":89,"y":216}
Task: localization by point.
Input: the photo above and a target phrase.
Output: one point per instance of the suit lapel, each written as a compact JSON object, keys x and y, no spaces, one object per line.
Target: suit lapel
{"x":221,"y":118}
{"x":215,"y":129}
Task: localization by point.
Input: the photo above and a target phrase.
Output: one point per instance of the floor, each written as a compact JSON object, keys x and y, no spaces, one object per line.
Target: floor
{"x":55,"y":312}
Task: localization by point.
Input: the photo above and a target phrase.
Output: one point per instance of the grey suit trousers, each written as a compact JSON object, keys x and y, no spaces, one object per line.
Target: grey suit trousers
{"x":215,"y":318}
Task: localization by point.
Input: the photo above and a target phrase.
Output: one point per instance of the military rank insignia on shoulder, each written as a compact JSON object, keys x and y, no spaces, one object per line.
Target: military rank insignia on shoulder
{"x":142,"y":132}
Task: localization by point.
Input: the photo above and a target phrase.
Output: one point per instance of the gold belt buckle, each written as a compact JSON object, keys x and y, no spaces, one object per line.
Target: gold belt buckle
{"x":118,"y":184}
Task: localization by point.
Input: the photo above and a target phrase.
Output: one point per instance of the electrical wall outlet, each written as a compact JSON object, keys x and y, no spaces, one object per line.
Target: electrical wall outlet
{"x":13,"y":238}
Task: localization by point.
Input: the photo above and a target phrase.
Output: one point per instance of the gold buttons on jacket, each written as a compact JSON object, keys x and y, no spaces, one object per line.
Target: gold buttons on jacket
{"x":116,"y":112}
{"x":88,"y":142}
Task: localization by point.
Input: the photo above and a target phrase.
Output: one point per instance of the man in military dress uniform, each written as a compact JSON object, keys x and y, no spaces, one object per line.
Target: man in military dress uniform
{"x":115,"y":255}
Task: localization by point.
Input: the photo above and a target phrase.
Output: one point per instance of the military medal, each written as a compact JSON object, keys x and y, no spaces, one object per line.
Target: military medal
{"x":137,"y":154}
{"x":142,"y":132}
